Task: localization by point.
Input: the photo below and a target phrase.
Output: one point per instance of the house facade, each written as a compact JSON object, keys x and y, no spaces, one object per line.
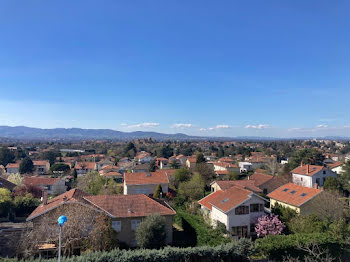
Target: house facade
{"x":53,"y":186}
{"x":83,"y":168}
{"x":125,"y":211}
{"x":12,"y":168}
{"x":311,"y":175}
{"x":145,"y":182}
{"x":296,"y":197}
{"x":41,"y":166}
{"x":237,"y":208}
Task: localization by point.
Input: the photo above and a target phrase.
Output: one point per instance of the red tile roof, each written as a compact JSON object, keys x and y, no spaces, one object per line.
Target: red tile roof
{"x":308,"y":170}
{"x":40,"y":162}
{"x":112,"y":173}
{"x":247,"y":184}
{"x":260,"y":178}
{"x":335,"y":164}
{"x":293,"y":194}
{"x":129,"y":205}
{"x":144,"y":178}
{"x":73,"y":195}
{"x":225,"y":159}
{"x":207,"y":200}
{"x":85,"y":165}
{"x":230,"y":198}
{"x":13,"y":165}
{"x":192,"y":159}
{"x":38,"y":181}
{"x":221,"y":172}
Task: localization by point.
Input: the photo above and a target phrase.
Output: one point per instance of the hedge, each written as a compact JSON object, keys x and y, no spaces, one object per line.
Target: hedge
{"x":224,"y":253}
{"x":197,"y":228}
{"x":276,"y":247}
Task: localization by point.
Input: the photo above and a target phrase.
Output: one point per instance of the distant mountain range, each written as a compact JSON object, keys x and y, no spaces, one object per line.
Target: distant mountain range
{"x":58,"y":134}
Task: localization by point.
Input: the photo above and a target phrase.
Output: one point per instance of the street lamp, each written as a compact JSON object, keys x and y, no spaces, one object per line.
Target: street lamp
{"x":61,"y":220}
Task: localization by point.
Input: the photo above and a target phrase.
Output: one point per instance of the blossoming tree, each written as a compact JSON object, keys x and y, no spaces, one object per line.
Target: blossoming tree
{"x":269,"y":225}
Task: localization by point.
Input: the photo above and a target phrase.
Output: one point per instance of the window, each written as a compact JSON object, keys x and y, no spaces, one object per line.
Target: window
{"x":117,"y":225}
{"x":292,"y":192}
{"x":256,"y":208}
{"x":285,"y":190}
{"x":303,"y":194}
{"x":301,"y":179}
{"x":240,"y":231}
{"x":265,"y":191}
{"x":135,"y":223}
{"x":242,"y":210}
{"x":324,"y":172}
{"x":317,"y":181}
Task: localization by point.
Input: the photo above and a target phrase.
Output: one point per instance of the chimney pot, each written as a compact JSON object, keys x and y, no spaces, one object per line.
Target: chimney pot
{"x":44,"y":197}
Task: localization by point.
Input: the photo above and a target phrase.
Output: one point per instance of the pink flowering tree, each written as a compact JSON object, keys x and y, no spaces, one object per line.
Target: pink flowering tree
{"x":269,"y":225}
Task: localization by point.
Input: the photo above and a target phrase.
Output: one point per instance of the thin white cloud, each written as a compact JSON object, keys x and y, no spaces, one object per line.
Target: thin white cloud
{"x":322,"y":126}
{"x":145,"y":125}
{"x":123,"y":124}
{"x":215,"y":128}
{"x":180,"y":125}
{"x":222,"y":126}
{"x":260,"y":126}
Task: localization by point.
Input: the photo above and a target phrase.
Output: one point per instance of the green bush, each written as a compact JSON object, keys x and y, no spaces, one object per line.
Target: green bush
{"x":226,"y":253}
{"x":278,"y":246}
{"x":203,"y":233}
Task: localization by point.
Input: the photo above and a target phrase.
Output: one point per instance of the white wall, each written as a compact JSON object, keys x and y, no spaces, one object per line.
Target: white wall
{"x":310,"y":181}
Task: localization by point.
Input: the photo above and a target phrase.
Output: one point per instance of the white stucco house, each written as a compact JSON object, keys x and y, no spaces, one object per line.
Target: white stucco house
{"x":245,"y":166}
{"x":145,"y":182}
{"x":311,"y":175}
{"x":336,"y":167}
{"x":237,"y":208}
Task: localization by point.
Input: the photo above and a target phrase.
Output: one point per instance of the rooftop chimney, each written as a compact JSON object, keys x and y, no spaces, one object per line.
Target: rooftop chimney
{"x":307,"y":168}
{"x":44,"y":197}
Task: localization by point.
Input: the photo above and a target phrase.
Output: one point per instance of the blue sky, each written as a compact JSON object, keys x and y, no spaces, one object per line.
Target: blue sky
{"x":219,"y":68}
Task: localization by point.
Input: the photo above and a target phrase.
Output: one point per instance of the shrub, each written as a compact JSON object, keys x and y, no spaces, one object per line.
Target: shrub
{"x":151,"y":233}
{"x":227,"y":252}
{"x":278,"y":246}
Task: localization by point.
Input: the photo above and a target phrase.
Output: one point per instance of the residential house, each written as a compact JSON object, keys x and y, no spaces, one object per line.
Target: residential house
{"x":191,"y":161}
{"x":245,"y":167}
{"x":140,"y":168}
{"x":226,"y":160}
{"x":267,"y":183}
{"x":143,"y":157}
{"x":125,"y":211}
{"x":41,"y":166}
{"x":83,"y":168}
{"x":226,"y":184}
{"x":163,"y":163}
{"x":181,"y":159}
{"x":116,"y":176}
{"x":53,"y":186}
{"x":311,"y":175}
{"x":104,"y":162}
{"x":224,"y":166}
{"x":4,"y":183}
{"x":145,"y":182}
{"x":296,"y":197}
{"x":12,"y":168}
{"x":128,"y":211}
{"x":336,"y":167}
{"x":237,"y":208}
{"x":92,"y":157}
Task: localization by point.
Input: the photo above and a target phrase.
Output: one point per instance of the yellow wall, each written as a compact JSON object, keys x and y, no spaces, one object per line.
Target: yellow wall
{"x":273,"y":202}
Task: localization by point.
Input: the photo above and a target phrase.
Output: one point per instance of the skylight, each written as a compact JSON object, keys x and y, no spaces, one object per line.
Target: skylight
{"x":285,"y":190}
{"x":303,"y":194}
{"x":225,"y":200}
{"x":292,"y":192}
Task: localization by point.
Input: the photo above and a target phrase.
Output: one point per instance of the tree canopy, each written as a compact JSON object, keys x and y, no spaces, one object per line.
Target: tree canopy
{"x":151,"y":233}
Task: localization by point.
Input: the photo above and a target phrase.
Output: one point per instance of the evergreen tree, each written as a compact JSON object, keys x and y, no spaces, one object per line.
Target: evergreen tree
{"x":26,"y":166}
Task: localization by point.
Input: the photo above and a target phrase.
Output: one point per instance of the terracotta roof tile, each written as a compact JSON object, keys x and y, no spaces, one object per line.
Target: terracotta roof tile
{"x":308,"y":170}
{"x":206,"y":201}
{"x":230,"y":198}
{"x":73,"y":195}
{"x":40,"y":162}
{"x":37,"y":181}
{"x":260,"y":178}
{"x":143,"y":178}
{"x":129,"y":205}
{"x":85,"y":165}
{"x":293,"y":194}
